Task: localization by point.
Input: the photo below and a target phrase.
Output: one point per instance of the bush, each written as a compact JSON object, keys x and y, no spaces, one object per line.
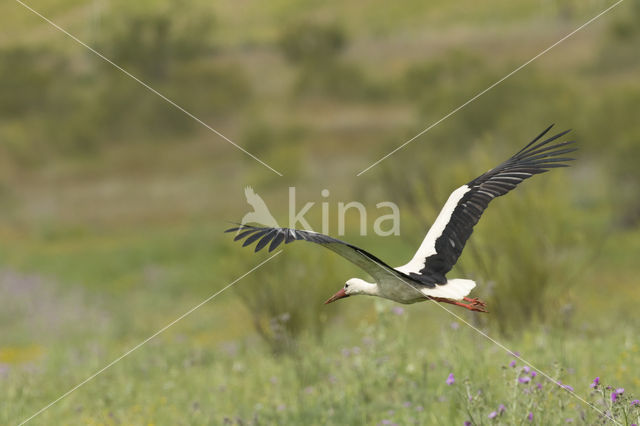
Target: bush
{"x":279,"y":147}
{"x":310,"y":43}
{"x":613,"y":122}
{"x":27,"y":76}
{"x":618,"y":52}
{"x":50,"y":105}
{"x":315,"y":49}
{"x":287,"y":303}
{"x":151,"y":43}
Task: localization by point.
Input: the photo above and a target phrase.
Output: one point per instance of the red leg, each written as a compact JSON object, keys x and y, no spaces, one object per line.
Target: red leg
{"x":474,"y":305}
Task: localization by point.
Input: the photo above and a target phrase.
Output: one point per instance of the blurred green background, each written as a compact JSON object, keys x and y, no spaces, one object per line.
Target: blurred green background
{"x":114,"y":204}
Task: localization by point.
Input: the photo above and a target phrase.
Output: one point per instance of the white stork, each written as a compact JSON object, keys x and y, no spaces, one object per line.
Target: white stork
{"x":424,"y":277}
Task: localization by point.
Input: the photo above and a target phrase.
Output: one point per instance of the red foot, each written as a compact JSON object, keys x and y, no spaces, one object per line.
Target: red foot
{"x":475,"y":301}
{"x":475,"y":305}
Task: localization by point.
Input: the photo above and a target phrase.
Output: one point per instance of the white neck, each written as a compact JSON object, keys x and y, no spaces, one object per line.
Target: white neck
{"x":371,"y":289}
{"x":358,"y":286}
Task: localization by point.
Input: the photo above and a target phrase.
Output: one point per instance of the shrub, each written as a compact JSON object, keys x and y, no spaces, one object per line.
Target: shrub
{"x":311,"y":43}
{"x":288,"y":300}
{"x":50,"y":105}
{"x":314,"y":48}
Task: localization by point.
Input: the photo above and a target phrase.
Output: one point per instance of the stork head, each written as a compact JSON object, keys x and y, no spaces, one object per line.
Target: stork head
{"x":352,"y":287}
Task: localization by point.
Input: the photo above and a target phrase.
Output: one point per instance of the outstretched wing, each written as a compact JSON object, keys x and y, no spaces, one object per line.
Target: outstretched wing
{"x":275,"y":236}
{"x":445,"y":240}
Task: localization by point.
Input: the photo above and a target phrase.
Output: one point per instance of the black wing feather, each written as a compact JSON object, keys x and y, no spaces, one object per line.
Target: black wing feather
{"x":265,"y":240}
{"x":243,"y":234}
{"x":365,"y":260}
{"x":276,"y":241}
{"x":254,"y":237}
{"x":535,"y":158}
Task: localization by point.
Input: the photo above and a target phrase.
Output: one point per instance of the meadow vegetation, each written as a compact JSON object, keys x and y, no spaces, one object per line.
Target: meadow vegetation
{"x":114,"y":205}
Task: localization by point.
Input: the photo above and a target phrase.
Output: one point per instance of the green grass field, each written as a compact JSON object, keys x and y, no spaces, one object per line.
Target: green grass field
{"x":114,"y":206}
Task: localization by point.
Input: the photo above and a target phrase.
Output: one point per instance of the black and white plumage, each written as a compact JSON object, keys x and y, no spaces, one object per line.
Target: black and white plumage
{"x":424,"y":277}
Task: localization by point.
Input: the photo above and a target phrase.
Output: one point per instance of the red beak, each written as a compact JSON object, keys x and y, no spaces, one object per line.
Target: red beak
{"x":339,"y":295}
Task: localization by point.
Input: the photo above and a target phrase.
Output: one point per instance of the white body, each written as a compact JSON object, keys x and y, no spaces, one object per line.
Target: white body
{"x":402,"y":291}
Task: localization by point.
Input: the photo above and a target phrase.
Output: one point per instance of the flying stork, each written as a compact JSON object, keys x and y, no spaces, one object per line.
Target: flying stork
{"x":424,"y":277}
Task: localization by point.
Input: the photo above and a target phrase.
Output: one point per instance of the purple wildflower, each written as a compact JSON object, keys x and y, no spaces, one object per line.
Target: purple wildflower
{"x":451,"y":380}
{"x":455,"y":325}
{"x":512,"y":364}
{"x":526,"y":369}
{"x":493,"y":415}
{"x":398,"y":310}
{"x":530,"y":416}
{"x":539,"y":386}
{"x":516,"y":354}
{"x":419,"y":408}
{"x":406,"y":404}
{"x":616,"y":393}
{"x":635,"y":402}
{"x":467,"y":423}
{"x":533,"y":374}
{"x":595,"y":383}
{"x":386,"y":422}
{"x":569,"y":420}
{"x":501,"y":409}
{"x":524,"y":379}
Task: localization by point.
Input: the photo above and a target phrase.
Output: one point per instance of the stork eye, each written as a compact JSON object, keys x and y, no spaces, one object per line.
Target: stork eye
{"x":346,"y":286}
